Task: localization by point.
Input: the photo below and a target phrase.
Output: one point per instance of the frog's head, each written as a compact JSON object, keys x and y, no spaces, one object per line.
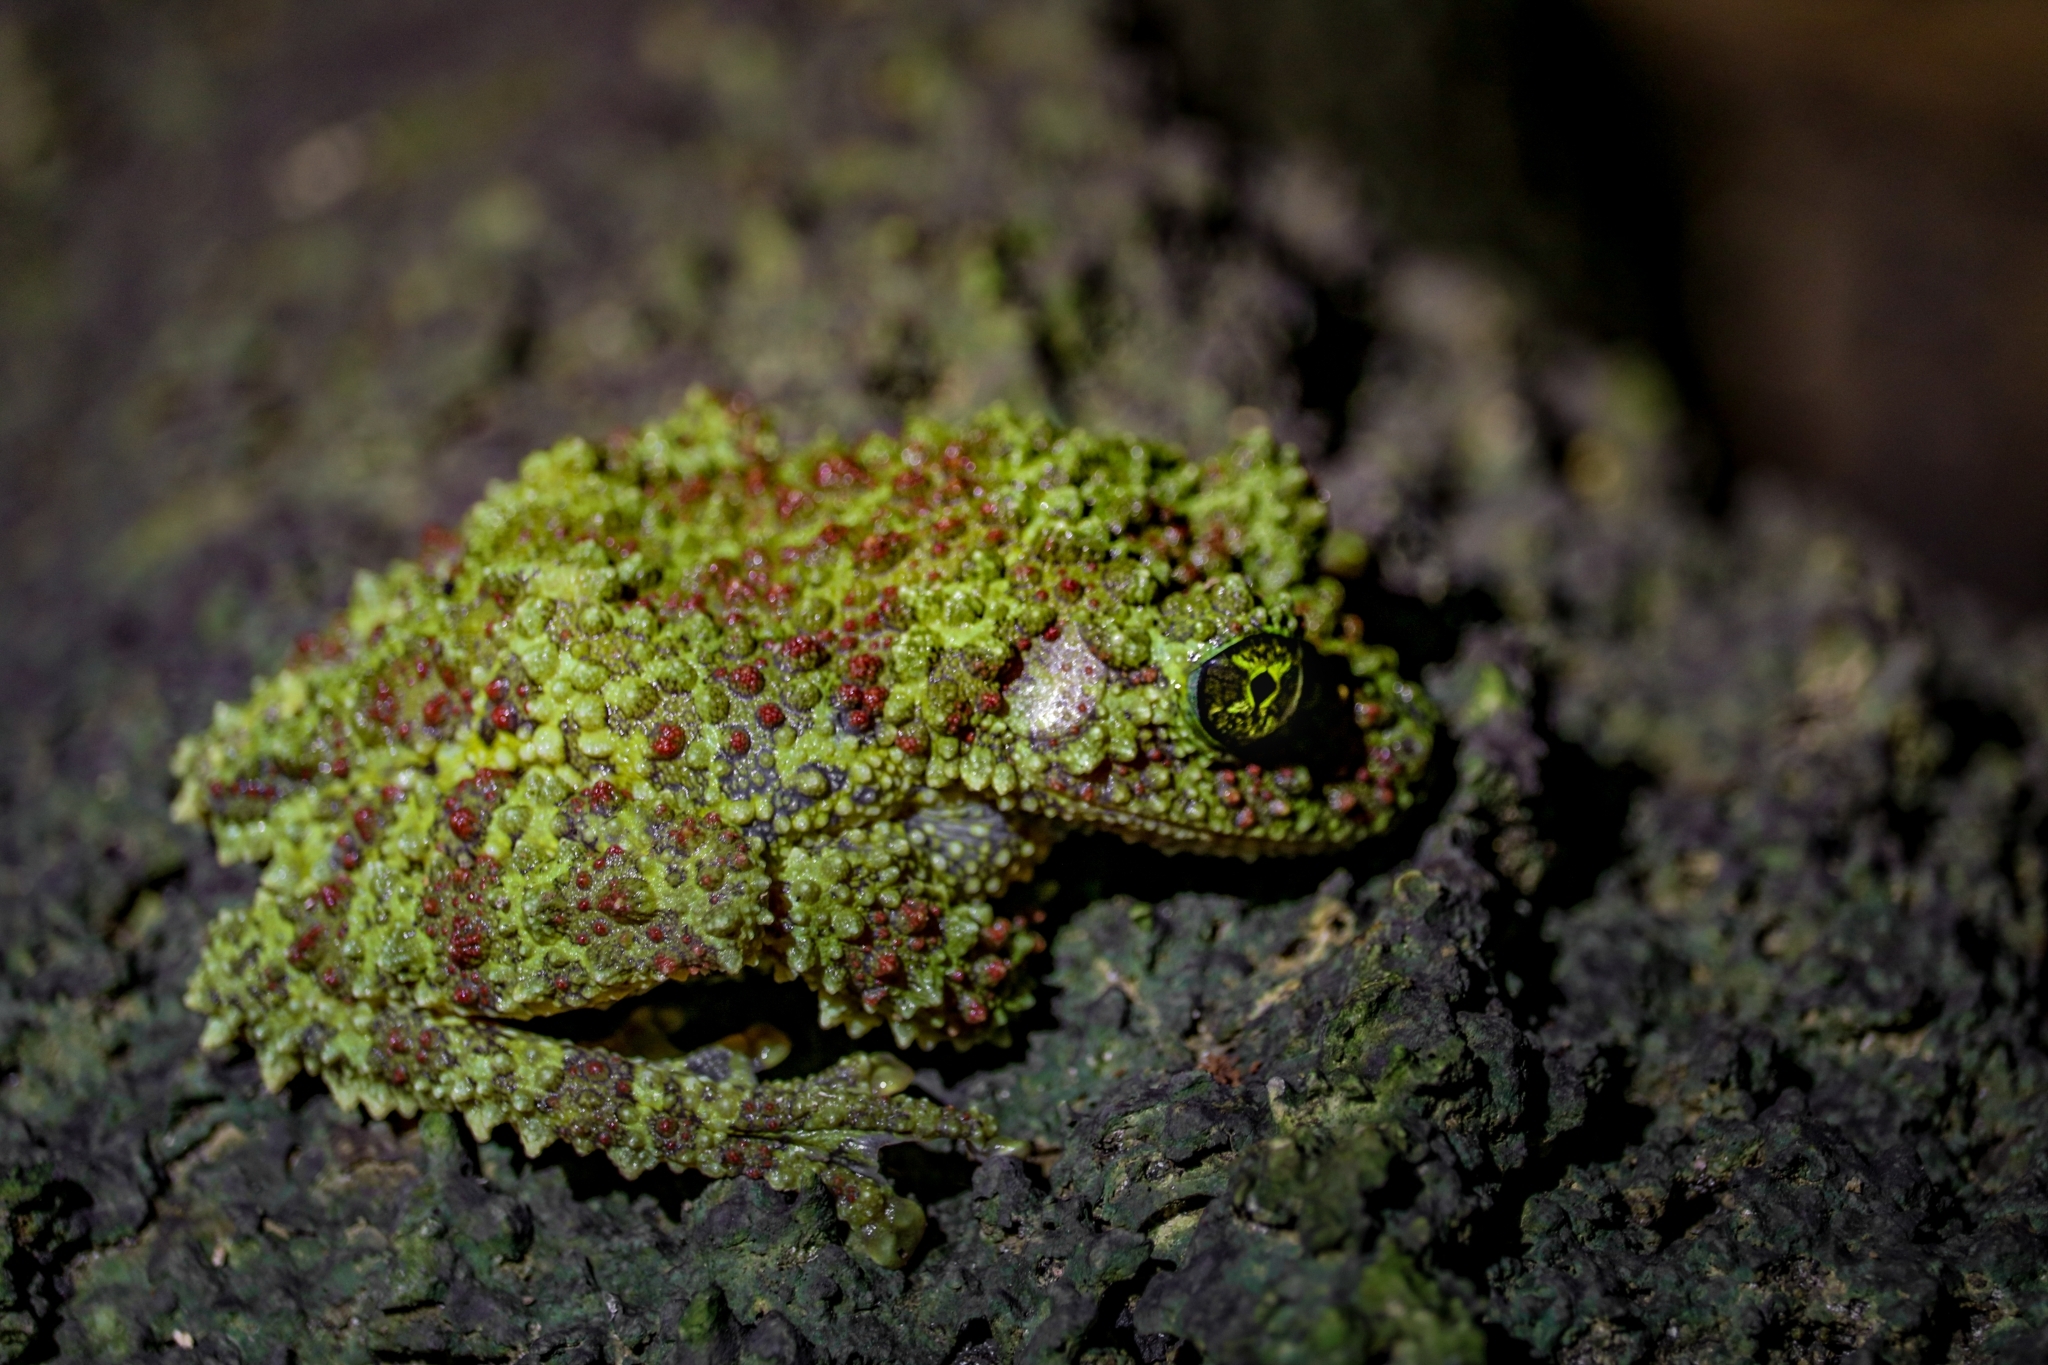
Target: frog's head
{"x":1209,"y":716}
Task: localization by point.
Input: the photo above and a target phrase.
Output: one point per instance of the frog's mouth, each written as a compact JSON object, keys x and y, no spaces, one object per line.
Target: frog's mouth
{"x":1169,"y":836}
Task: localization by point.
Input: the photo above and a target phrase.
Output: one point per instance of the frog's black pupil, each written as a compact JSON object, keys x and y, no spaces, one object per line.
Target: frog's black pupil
{"x":1263,"y":687}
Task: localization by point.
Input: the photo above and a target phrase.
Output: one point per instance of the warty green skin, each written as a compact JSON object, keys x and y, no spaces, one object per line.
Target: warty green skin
{"x":690,"y":704}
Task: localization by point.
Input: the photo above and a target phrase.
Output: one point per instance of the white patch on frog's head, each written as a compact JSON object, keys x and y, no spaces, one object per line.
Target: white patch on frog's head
{"x":1059,"y":690}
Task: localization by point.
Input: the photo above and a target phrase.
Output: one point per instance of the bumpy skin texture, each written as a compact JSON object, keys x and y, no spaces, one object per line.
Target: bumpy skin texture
{"x":689,"y":705}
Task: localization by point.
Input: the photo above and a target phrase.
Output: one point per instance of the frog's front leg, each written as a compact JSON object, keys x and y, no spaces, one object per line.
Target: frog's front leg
{"x":892,"y":923}
{"x":708,"y":1110}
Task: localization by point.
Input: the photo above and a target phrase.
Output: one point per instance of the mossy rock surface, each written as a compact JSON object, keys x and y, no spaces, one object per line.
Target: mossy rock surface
{"x":1693,"y":1017}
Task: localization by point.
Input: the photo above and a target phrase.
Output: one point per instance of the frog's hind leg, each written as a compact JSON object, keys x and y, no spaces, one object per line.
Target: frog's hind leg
{"x":707,"y":1110}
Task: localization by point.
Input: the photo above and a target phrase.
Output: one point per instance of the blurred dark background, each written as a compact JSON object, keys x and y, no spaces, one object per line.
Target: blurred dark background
{"x":1827,"y":219}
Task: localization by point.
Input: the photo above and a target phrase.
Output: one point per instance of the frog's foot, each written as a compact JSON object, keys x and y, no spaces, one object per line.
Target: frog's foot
{"x":831,"y":1127}
{"x":710,"y":1111}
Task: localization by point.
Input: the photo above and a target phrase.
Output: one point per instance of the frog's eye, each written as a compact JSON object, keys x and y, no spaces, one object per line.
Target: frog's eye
{"x":1246,"y":694}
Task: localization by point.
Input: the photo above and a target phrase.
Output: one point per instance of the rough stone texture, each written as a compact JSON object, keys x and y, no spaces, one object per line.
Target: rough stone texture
{"x":1693,"y":1019}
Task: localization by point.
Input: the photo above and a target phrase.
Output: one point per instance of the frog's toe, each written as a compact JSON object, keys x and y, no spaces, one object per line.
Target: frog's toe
{"x":737,"y":1057}
{"x":857,"y":1102}
{"x":882,"y":1224}
{"x":763,"y":1045}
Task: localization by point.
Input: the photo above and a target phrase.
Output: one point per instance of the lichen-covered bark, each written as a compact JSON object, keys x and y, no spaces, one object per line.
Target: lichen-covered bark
{"x":1693,"y":1018}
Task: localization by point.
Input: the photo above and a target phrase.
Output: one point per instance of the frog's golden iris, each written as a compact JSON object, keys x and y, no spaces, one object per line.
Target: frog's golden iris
{"x":1245,"y":694}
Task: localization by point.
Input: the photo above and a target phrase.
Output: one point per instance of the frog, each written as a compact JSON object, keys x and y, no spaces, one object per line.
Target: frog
{"x":695,"y":703}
